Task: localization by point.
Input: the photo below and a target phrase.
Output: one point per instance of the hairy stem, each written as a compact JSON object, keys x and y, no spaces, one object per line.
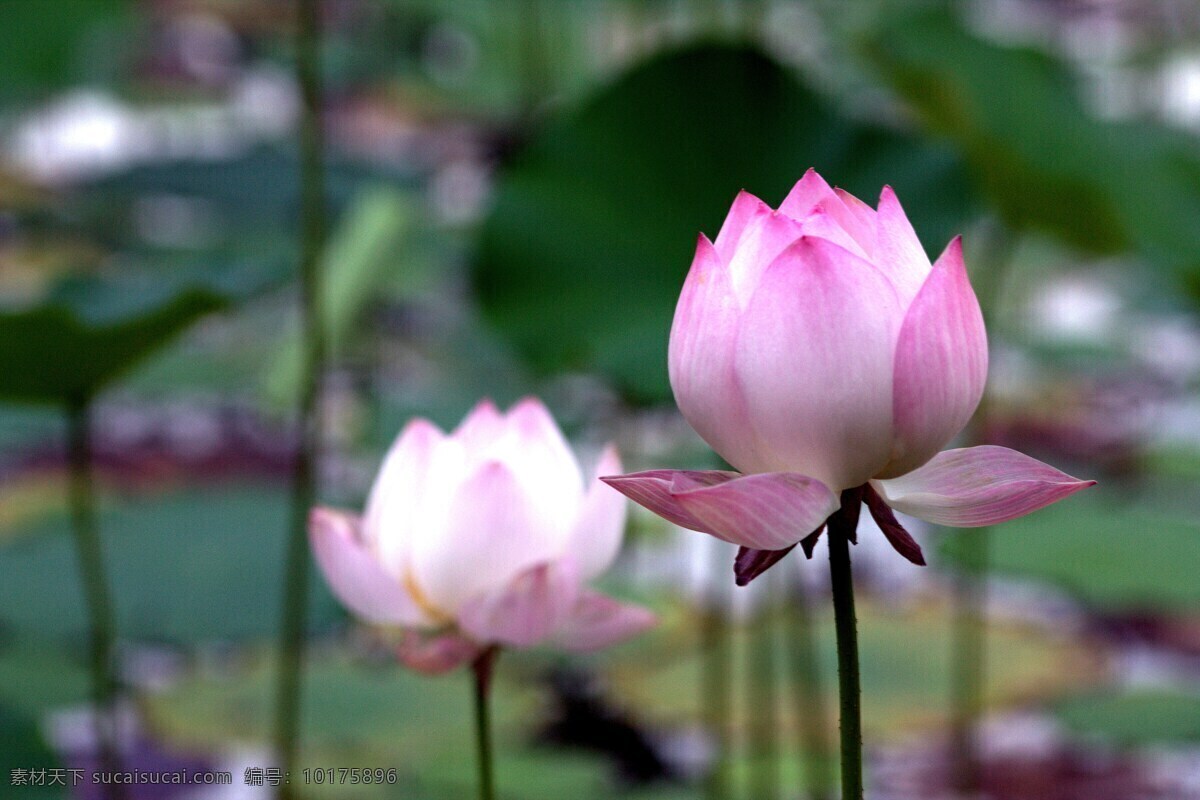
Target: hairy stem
{"x":841,"y":530}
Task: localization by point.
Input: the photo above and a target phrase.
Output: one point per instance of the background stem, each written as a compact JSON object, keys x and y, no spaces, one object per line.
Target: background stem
{"x":845,"y":623}
{"x":97,"y":597}
{"x":312,"y":242}
{"x":809,"y":694}
{"x":968,"y":677}
{"x":715,"y":684}
{"x":765,"y":780}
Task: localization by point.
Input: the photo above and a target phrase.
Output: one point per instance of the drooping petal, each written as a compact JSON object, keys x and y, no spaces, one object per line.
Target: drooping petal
{"x":941,"y":365}
{"x":897,"y":536}
{"x":751,"y":563}
{"x":355,"y":575}
{"x":528,"y":609}
{"x":767,"y":511}
{"x":700,"y":356}
{"x":652,"y":489}
{"x":813,"y":361}
{"x":433,"y":655}
{"x":745,"y":209}
{"x":409,"y":491}
{"x":494,"y":529}
{"x":596,"y":536}
{"x":899,"y":252}
{"x":599,"y":621}
{"x":976,"y":486}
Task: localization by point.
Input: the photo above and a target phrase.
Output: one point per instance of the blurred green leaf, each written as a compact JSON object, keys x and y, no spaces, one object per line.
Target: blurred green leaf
{"x":581,"y":261}
{"x":41,"y":50}
{"x":366,"y":251}
{"x":200,"y":564}
{"x":89,"y":330}
{"x":22,"y":748}
{"x":1111,"y":554}
{"x":1135,"y":718}
{"x":1043,"y":160}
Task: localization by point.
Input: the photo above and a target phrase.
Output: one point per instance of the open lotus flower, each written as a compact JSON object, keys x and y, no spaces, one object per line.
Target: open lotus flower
{"x":481,"y":538}
{"x":817,"y":350}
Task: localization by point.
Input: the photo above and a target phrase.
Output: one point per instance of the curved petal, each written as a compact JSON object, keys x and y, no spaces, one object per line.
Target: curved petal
{"x":814,"y":361}
{"x":480,"y":428}
{"x":599,"y":621}
{"x":527,"y":610}
{"x":746,"y":208}
{"x":494,"y":530}
{"x":767,"y":511}
{"x":409,"y":494}
{"x":433,"y":655}
{"x":750,"y":563}
{"x":899,"y":252}
{"x":535,"y":450}
{"x":976,"y":486}
{"x":355,"y":576}
{"x":700,"y":355}
{"x":596,"y":536}
{"x":652,"y":489}
{"x":941,"y":365}
{"x":808,"y":193}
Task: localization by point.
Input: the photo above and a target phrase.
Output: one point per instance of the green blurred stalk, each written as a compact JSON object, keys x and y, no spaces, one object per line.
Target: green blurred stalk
{"x":98,"y":598}
{"x":810,"y":697}
{"x":716,"y":684}
{"x":846,"y":626}
{"x":312,"y":242}
{"x":765,"y":781}
{"x":969,"y":643}
{"x":481,"y":671}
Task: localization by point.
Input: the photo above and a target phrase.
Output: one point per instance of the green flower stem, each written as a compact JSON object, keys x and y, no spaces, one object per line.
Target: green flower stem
{"x":841,"y":529}
{"x":95,"y":588}
{"x":765,"y":780}
{"x":481,"y":670}
{"x":312,"y":243}
{"x":716,"y":684}
{"x":810,"y":697}
{"x":968,"y":677}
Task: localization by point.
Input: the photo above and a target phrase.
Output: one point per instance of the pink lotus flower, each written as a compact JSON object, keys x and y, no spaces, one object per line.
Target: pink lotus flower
{"x":817,"y":350}
{"x":480,"y":538}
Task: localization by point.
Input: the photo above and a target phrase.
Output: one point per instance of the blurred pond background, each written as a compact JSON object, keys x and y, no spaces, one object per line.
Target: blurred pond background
{"x":514,"y":190}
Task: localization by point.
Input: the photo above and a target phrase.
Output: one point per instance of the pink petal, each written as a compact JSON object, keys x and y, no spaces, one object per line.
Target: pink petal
{"x":700,"y":356}
{"x":354,"y":574}
{"x":765,"y":237}
{"x":526,"y":611}
{"x":746,"y":208}
{"x":495,"y":528}
{"x":809,"y":192}
{"x":941,"y":365}
{"x":767,"y":511}
{"x":435,"y":654}
{"x":821,"y":224}
{"x":652,"y":490}
{"x":977,"y":486}
{"x":405,"y":495}
{"x":536,"y":450}
{"x":596,"y":537}
{"x":481,"y":427}
{"x":899,"y":254}
{"x":893,"y":531}
{"x":814,"y":363}
{"x":599,"y":621}
{"x":751,"y":563}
